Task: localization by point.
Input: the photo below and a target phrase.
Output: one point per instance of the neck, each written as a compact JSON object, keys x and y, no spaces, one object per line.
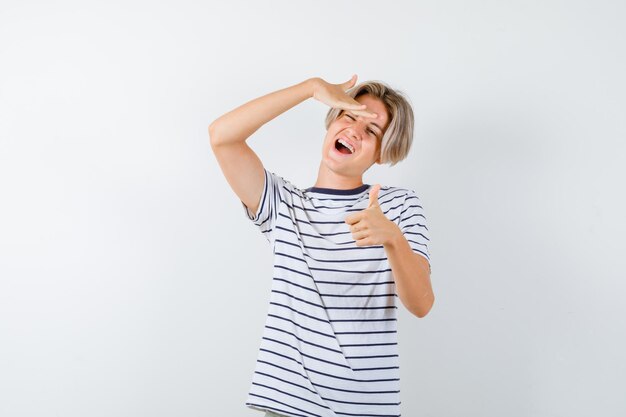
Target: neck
{"x":330,"y":179}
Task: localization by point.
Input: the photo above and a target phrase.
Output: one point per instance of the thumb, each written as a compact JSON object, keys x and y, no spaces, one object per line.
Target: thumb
{"x":374,"y":195}
{"x":350,"y":83}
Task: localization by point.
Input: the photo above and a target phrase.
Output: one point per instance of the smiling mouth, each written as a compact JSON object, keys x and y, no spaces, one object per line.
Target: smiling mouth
{"x":343,"y":147}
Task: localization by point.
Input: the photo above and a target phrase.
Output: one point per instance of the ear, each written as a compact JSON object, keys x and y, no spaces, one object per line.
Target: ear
{"x":377,"y":161}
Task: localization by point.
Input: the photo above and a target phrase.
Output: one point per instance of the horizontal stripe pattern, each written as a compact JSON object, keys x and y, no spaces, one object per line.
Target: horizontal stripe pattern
{"x":329,"y":347}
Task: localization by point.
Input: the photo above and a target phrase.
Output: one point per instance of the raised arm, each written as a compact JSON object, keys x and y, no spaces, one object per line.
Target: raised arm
{"x":240,"y":164}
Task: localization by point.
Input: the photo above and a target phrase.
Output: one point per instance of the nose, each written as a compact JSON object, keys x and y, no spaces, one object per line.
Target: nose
{"x":351,"y":132}
{"x":356,"y":130}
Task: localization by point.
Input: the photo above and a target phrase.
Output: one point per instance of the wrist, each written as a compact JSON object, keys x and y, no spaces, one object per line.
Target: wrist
{"x":395,"y":236}
{"x":312,"y":84}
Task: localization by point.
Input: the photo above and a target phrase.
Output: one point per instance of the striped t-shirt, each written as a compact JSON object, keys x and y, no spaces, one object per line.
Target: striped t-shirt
{"x":329,"y":347}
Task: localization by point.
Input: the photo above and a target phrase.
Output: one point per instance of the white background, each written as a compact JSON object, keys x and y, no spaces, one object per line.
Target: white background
{"x":132,"y":284}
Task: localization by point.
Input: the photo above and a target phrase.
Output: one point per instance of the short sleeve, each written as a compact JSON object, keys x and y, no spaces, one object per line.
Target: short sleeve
{"x":267,"y":212}
{"x":413,"y":225}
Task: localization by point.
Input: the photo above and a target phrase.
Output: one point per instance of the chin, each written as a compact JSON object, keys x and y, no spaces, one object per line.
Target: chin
{"x":345,"y":169}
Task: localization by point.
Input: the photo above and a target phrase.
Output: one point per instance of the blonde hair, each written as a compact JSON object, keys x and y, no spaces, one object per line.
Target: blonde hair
{"x":398,"y":137}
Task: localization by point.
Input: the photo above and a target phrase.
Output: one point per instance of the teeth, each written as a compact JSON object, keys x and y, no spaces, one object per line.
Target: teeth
{"x":347,"y":145}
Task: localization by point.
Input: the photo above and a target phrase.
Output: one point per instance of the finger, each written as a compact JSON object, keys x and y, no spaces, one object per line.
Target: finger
{"x":356,"y":107}
{"x":353,"y":218}
{"x":364,"y":113}
{"x":364,"y":242}
{"x":360,"y":109}
{"x":360,"y":235}
{"x":350,"y":83}
{"x":371,"y":114}
{"x":374,"y":196}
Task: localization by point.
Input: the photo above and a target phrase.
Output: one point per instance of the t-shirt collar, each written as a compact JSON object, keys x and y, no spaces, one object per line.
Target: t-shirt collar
{"x":335,"y":191}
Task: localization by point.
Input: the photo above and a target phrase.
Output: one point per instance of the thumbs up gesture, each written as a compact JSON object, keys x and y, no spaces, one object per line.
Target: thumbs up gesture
{"x":371,"y":226}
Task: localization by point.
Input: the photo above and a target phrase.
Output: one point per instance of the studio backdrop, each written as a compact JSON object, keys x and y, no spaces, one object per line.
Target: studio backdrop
{"x":132,"y":283}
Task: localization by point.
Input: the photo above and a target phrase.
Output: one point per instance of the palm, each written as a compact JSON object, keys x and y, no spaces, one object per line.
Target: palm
{"x":334,"y":95}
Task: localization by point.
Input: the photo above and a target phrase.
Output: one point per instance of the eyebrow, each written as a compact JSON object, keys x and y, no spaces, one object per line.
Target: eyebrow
{"x":372,"y":123}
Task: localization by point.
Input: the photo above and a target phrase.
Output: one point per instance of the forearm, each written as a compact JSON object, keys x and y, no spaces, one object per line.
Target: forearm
{"x":240,"y":123}
{"x":411,"y":274}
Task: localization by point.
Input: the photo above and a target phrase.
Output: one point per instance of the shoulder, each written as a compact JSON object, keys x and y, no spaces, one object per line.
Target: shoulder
{"x":281,"y":184}
{"x":397,"y":194}
{"x":399,"y":203}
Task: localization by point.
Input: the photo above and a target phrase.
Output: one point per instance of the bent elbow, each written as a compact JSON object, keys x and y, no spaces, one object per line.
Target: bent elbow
{"x":423,"y":309}
{"x":213,"y":134}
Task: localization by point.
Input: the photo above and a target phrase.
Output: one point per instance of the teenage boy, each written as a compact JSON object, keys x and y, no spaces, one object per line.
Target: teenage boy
{"x":343,"y":252}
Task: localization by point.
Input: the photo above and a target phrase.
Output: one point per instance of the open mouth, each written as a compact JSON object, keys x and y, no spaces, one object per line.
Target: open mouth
{"x":344,"y":147}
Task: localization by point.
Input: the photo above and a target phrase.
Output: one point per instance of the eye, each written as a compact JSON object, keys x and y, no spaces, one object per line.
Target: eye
{"x":369,"y":130}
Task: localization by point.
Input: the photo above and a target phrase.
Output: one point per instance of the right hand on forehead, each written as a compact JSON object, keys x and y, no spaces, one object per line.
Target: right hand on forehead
{"x":335,"y":96}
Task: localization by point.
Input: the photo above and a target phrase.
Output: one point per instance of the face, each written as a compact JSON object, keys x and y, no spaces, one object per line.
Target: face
{"x":362,"y":135}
